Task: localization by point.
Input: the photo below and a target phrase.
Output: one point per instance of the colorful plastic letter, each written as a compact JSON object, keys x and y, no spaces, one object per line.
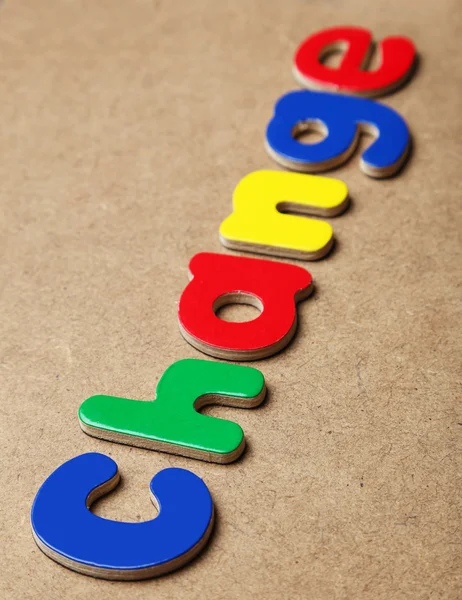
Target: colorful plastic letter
{"x":217,"y":280}
{"x":66,"y":530}
{"x":171,"y":422}
{"x":342,"y":118}
{"x":260,"y":224}
{"x":398,"y":57}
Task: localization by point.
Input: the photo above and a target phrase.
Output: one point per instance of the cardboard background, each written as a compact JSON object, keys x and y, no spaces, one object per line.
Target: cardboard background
{"x":124,"y":128}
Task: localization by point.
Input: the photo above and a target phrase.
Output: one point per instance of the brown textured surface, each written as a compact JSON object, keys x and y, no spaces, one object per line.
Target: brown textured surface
{"x":124,"y":127}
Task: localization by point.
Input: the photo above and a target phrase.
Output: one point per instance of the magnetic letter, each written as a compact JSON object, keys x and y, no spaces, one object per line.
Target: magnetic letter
{"x":217,"y":280}
{"x":66,"y":530}
{"x":171,"y":422}
{"x":398,"y":56}
{"x":342,"y":119}
{"x":260,"y":224}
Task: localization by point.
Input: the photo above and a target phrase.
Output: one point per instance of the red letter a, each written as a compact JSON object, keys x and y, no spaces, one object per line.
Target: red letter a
{"x":219,"y":279}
